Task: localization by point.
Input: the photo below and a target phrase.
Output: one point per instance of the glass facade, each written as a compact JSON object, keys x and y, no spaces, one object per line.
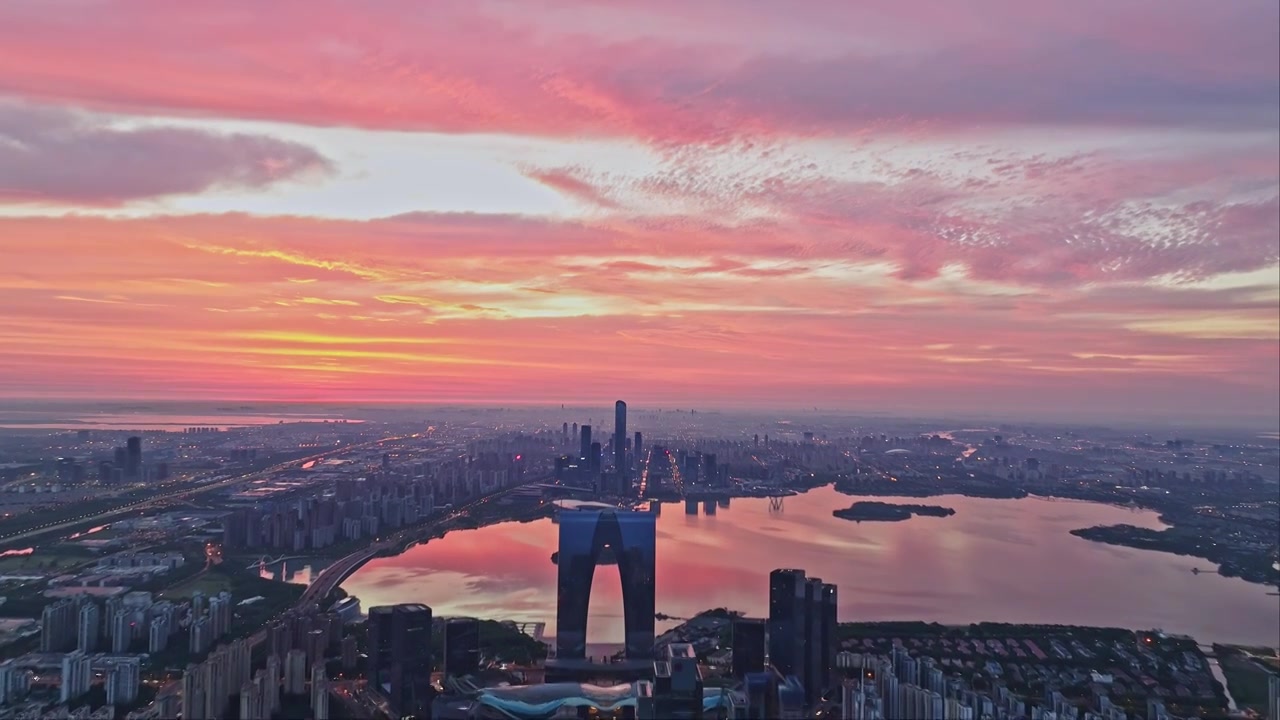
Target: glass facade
{"x":584,"y":534}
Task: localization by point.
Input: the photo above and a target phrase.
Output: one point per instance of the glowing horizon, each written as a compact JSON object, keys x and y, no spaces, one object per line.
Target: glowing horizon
{"x":902,"y":206}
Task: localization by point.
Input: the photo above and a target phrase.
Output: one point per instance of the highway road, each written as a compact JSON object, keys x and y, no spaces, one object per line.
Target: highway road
{"x":181,"y":494}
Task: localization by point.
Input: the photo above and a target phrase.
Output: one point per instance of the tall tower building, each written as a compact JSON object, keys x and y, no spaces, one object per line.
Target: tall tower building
{"x":620,"y":439}
{"x":786,"y":621}
{"x":400,"y":656}
{"x":133,"y":458}
{"x":462,"y":647}
{"x":748,"y":646}
{"x":637,"y":448}
{"x":585,"y":453}
{"x":830,"y":626}
{"x":812,"y":678}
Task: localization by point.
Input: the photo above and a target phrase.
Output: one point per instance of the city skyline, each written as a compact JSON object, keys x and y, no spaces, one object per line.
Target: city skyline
{"x":1039,"y":212}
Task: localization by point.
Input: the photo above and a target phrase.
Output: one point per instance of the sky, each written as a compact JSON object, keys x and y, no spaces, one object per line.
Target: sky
{"x":1039,"y":209}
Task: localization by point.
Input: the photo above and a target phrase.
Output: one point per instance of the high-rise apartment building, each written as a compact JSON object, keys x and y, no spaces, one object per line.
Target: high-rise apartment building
{"x":77,"y":675}
{"x":58,"y":626}
{"x":319,"y":692}
{"x":122,"y":681}
{"x":89,"y":627}
{"x":295,"y":672}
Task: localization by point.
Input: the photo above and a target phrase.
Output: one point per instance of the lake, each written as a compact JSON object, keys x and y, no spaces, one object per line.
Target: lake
{"x":994,"y":560}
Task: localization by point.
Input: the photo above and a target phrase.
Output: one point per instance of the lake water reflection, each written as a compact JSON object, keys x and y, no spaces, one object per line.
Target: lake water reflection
{"x":1002,"y":560}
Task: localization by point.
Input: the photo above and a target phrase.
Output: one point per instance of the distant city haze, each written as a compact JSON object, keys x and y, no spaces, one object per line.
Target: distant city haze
{"x":1018,"y":209}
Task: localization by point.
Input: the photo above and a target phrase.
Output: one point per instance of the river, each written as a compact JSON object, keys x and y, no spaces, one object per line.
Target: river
{"x":994,"y":560}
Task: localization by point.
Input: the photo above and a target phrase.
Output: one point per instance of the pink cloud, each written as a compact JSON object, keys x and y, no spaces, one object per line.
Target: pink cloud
{"x":660,"y":72}
{"x":52,"y":156}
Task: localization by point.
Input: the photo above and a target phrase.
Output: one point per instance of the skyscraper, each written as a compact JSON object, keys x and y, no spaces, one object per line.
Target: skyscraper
{"x":585,"y":453}
{"x":748,"y":646}
{"x":786,"y":621}
{"x":400,"y":656}
{"x":814,"y":682}
{"x":830,"y":626}
{"x":637,"y":448}
{"x":583,"y":536}
{"x":461,"y":647}
{"x":620,"y":439}
{"x":133,"y":459}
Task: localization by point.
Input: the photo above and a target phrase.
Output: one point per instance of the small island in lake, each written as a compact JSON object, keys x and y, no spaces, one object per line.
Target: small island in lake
{"x":889,"y":512}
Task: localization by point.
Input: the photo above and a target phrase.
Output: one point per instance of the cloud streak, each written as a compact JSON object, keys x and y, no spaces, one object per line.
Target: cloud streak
{"x":53,"y":156}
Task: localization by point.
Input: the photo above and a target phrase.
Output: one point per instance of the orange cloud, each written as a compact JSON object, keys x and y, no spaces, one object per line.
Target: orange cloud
{"x":675,"y":327}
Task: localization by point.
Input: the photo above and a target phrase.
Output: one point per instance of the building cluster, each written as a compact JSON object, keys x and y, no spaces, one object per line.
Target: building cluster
{"x":606,"y":468}
{"x":364,"y":504}
{"x":131,"y":622}
{"x":84,"y":641}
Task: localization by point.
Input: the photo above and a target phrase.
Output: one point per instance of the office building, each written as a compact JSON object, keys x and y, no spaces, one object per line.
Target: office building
{"x":677,"y":684}
{"x":133,"y":457}
{"x":830,"y":627}
{"x":748,"y":646}
{"x":637,"y":449}
{"x":786,"y":621}
{"x":597,"y":458}
{"x":461,"y":647}
{"x":77,"y":675}
{"x":585,"y":445}
{"x":814,"y":682}
{"x":802,"y":629}
{"x":89,"y":628}
{"x":583,"y":537}
{"x":620,"y":439}
{"x":400,"y":656}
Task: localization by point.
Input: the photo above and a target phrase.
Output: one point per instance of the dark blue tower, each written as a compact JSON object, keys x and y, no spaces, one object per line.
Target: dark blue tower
{"x":620,"y":440}
{"x":584,"y":535}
